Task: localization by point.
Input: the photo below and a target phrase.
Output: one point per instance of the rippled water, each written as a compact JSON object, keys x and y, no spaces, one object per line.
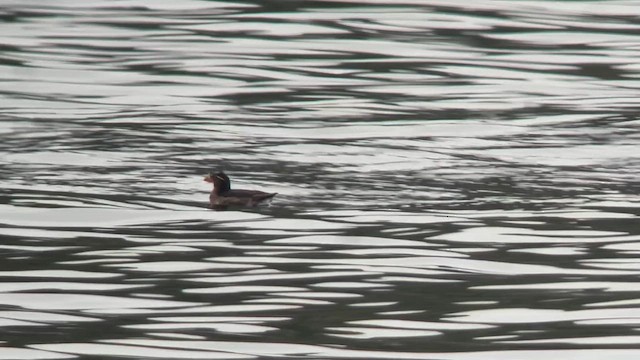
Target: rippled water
{"x":456,"y":180}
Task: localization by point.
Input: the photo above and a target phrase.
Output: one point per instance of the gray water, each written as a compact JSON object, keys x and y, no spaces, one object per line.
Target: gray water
{"x":457,"y":180}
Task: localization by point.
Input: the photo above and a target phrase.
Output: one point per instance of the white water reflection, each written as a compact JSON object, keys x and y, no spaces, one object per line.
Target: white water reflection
{"x":232,"y":350}
{"x":139,"y":351}
{"x":530,"y":236}
{"x":10,"y":353}
{"x":100,"y":217}
{"x":231,"y":327}
{"x":54,"y":301}
{"x":569,"y":285}
{"x":44,"y":317}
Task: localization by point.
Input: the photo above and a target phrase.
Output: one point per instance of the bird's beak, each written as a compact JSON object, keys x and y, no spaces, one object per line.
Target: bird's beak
{"x":208,"y":178}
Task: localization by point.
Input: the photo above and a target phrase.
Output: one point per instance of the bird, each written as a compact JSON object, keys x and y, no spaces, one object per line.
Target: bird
{"x":222,"y":196}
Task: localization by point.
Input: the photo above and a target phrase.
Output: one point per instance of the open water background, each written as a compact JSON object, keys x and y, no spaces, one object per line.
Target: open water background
{"x":457,"y":180}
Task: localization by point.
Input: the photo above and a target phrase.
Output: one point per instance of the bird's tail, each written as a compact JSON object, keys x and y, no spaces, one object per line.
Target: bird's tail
{"x":268,"y":196}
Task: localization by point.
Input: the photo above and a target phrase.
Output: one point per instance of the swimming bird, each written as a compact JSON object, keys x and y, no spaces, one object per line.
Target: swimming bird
{"x":222,"y":196}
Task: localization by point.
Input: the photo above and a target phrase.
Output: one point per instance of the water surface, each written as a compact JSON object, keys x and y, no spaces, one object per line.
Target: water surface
{"x":456,"y":180}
